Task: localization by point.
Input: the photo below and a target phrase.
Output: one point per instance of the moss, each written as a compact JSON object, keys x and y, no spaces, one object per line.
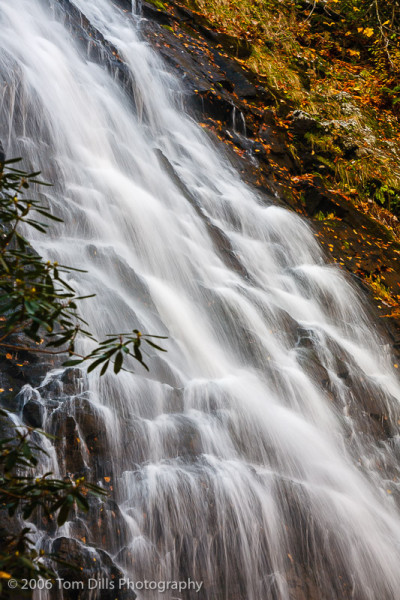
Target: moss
{"x":326,"y":162}
{"x":294,"y":152}
{"x":323,"y":143}
{"x":381,"y":291}
{"x":158,"y":4}
{"x":305,"y":64}
{"x":320,"y":216}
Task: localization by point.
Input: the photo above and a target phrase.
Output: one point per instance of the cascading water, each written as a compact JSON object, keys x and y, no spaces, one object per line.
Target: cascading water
{"x":231,"y":463}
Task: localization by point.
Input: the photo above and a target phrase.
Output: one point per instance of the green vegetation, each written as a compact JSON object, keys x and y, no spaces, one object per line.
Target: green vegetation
{"x":380,"y":289}
{"x":36,"y":301}
{"x":39,"y":314}
{"x":158,"y":4}
{"x":330,"y":70}
{"x":24,"y":493}
{"x":320,"y":216}
{"x":338,"y":60}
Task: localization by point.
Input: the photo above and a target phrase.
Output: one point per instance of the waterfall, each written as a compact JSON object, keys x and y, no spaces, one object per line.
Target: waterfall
{"x":231,"y":461}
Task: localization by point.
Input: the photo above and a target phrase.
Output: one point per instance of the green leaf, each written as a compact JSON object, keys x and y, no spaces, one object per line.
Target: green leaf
{"x":64,"y":513}
{"x":82,"y":502}
{"x":72,"y":363}
{"x":104,"y":369}
{"x":96,"y":363}
{"x":118,"y":362}
{"x":155,"y":346}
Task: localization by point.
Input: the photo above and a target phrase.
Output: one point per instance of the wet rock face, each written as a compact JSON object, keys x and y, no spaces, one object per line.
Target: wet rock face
{"x":81,"y":440}
{"x":335,"y":371}
{"x":89,"y":568}
{"x":303,"y":122}
{"x":19,"y":369}
{"x":33,"y":413}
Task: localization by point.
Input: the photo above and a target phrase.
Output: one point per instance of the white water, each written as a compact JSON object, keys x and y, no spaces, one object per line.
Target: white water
{"x":232,"y":464}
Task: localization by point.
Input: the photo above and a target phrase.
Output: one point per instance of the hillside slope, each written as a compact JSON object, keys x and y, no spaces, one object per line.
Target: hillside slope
{"x":306,"y":94}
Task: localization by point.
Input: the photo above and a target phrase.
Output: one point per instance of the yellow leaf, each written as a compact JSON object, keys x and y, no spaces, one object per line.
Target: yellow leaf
{"x":4,"y":575}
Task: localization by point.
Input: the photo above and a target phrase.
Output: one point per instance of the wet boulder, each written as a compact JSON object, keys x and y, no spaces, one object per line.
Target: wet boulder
{"x":91,"y":572}
{"x":33,"y":413}
{"x":107,"y":526}
{"x":302,"y":122}
{"x":81,"y":441}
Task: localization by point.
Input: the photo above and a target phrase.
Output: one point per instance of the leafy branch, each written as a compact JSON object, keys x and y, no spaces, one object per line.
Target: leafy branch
{"x":22,"y":492}
{"x":39,"y":314}
{"x":36,"y":300}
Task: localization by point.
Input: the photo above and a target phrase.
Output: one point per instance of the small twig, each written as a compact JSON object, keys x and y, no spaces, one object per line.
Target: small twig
{"x":384,"y":36}
{"x":7,"y":493}
{"x":42,"y":351}
{"x":11,"y":332}
{"x":312,"y":10}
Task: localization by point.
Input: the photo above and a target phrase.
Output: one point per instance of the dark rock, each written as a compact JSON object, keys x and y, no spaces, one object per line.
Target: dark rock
{"x":349,"y":146}
{"x":217,"y":106}
{"x":73,"y":452}
{"x":268,"y":116}
{"x":107,"y":527}
{"x":7,"y":427}
{"x":317,"y":200}
{"x":62,"y":384}
{"x":241,"y":85}
{"x":69,"y":449}
{"x":52,"y":389}
{"x":302,"y":122}
{"x":9,"y":527}
{"x":152,"y":12}
{"x":79,"y":529}
{"x":81,"y":441}
{"x":72,"y":380}
{"x":83,"y":563}
{"x":13,"y":402}
{"x":308,"y":359}
{"x":33,"y":413}
{"x":70,"y":375}
{"x":234,"y":45}
{"x":16,"y":402}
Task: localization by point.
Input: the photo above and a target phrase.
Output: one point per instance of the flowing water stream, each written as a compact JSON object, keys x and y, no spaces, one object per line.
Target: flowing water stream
{"x":231,"y":461}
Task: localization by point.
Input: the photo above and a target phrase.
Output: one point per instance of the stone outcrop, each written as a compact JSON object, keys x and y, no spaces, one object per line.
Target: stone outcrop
{"x":86,"y":572}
